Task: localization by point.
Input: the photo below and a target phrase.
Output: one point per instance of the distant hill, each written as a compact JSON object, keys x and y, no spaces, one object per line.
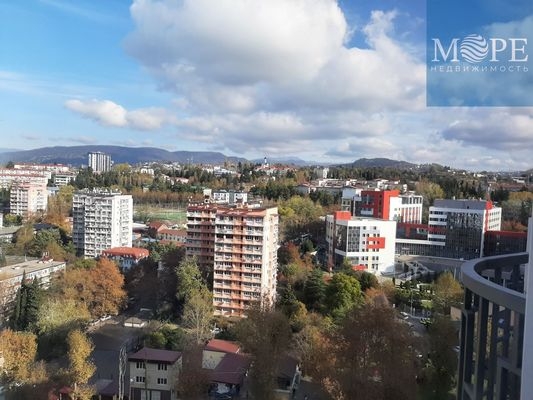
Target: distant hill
{"x":77,"y":155}
{"x":382,"y":163}
{"x":282,"y":160}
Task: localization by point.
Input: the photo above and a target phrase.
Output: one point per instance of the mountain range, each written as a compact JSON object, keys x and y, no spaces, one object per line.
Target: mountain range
{"x":77,"y":156}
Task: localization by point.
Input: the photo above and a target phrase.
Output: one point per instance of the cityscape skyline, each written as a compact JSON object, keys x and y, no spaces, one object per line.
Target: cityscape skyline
{"x":321,"y":80}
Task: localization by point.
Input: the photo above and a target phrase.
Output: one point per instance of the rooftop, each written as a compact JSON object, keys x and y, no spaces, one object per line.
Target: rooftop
{"x":222,"y":346}
{"x":156,"y":355}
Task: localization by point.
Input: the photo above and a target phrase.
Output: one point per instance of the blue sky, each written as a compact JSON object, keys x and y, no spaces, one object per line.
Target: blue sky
{"x":317,"y":79}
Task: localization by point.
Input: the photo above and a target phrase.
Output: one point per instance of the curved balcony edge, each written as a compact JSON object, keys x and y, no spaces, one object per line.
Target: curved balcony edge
{"x":471,"y":276}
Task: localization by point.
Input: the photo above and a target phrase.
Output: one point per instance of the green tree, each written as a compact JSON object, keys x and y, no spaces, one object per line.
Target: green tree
{"x":189,"y":279}
{"x":366,"y":280}
{"x":440,"y":370}
{"x":27,"y":304}
{"x":315,"y":290}
{"x":342,"y":294}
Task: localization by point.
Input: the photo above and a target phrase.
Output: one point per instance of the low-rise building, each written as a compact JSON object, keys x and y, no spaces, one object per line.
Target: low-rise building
{"x":154,"y":374}
{"x":126,"y":257}
{"x":11,"y":278}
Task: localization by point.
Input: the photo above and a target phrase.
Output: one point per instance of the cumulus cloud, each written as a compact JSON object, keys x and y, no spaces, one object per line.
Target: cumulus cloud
{"x":243,"y":56}
{"x":502,"y":128}
{"x":109,"y":113}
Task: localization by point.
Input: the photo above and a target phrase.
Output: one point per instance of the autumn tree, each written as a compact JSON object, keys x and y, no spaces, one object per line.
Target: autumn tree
{"x":447,"y":292}
{"x":57,"y":317}
{"x":108,"y":294}
{"x":373,"y":357}
{"x":81,"y":368}
{"x":98,"y":287}
{"x":18,"y":350}
{"x":265,"y":334}
{"x":198,"y":313}
{"x":193,"y":382}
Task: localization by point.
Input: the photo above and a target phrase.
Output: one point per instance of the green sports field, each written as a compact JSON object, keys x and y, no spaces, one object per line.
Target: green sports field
{"x":154,"y":213}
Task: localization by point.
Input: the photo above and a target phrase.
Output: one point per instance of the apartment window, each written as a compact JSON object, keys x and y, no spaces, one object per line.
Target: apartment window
{"x":140,"y":365}
{"x":161,"y":381}
{"x":139,"y":379}
{"x":162,"y":367}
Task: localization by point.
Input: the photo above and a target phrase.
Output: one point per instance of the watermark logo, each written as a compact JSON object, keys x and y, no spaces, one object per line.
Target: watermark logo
{"x":475,"y":49}
{"x":479,"y":53}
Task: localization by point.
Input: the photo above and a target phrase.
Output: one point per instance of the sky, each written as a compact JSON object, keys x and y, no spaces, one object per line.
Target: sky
{"x":326,"y":81}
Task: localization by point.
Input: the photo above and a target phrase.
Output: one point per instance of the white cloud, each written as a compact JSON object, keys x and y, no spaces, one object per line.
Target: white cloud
{"x":108,"y":113}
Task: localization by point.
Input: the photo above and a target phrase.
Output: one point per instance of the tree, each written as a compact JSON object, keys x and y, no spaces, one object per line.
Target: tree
{"x":342,"y":294}
{"x":193,"y":382}
{"x":373,"y":357}
{"x":447,"y":292}
{"x":315,"y":290}
{"x":440,"y":370}
{"x":265,"y":334}
{"x":18,"y":350}
{"x":366,"y":280}
{"x":108,"y":294}
{"x":27,"y":303}
{"x":198,"y":313}
{"x":189,"y":279}
{"x":81,"y":369}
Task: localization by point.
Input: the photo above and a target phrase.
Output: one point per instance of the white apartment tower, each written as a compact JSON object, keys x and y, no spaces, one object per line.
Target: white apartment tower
{"x":101,"y":220}
{"x":367,"y":243}
{"x":99,"y":162}
{"x":240,"y":245}
{"x":28,"y":198}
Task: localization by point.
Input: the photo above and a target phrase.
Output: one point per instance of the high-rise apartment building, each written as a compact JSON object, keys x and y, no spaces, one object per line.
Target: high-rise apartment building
{"x":367,"y":243}
{"x":99,"y":162}
{"x":101,"y":220}
{"x":239,"y":245}
{"x":28,"y":198}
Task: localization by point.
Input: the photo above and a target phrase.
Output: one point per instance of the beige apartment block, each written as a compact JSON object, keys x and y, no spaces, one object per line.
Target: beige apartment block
{"x":239,"y":244}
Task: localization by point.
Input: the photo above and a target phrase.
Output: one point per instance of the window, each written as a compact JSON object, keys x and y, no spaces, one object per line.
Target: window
{"x":161,"y":381}
{"x":162,"y":367}
{"x":139,"y":379}
{"x":140,"y":365}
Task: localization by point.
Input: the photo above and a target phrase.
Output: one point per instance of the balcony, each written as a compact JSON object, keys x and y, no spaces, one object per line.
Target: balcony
{"x":492,"y":328}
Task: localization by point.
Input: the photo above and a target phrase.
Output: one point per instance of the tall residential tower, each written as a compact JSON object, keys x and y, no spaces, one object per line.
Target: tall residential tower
{"x":101,"y":220}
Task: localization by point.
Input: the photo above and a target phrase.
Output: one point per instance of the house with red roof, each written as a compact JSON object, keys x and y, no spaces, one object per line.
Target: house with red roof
{"x":126,"y":257}
{"x":228,"y":366}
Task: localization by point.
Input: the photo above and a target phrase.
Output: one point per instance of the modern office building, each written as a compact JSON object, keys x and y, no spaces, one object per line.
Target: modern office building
{"x":99,"y":162}
{"x":368,"y":243}
{"x":28,"y":198}
{"x":239,"y":244}
{"x":102,"y":219}
{"x":496,"y":357}
{"x":383,"y":204}
{"x":460,"y":225}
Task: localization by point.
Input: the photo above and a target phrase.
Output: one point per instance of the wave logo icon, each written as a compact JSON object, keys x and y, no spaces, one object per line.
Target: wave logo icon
{"x":474,"y":48}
